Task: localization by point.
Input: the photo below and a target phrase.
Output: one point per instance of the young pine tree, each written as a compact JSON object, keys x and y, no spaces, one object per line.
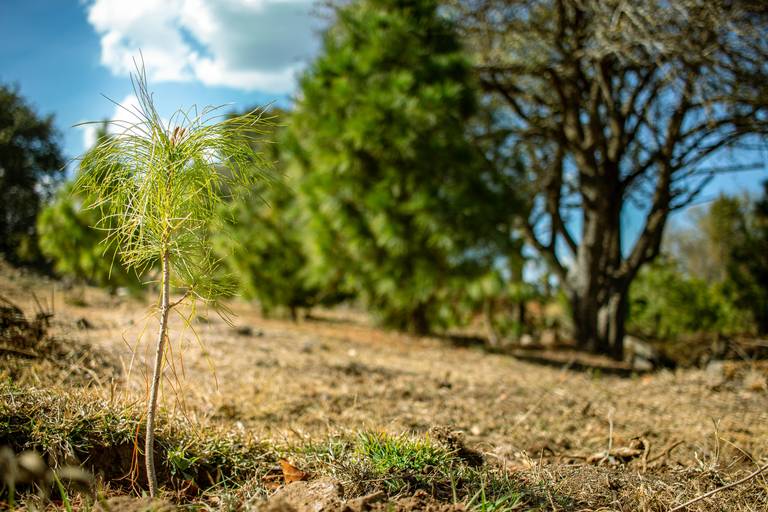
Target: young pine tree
{"x":157,"y":185}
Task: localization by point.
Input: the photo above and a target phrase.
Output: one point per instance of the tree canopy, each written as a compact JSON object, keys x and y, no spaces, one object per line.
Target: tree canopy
{"x":31,"y":164}
{"x":617,"y":106}
{"x":402,"y":208}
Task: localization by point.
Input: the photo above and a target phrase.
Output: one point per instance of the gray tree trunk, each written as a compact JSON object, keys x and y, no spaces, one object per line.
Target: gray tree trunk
{"x":599,"y":325}
{"x":598,"y":288}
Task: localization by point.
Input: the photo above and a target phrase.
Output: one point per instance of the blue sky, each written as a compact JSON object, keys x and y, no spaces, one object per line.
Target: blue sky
{"x":64,"y":54}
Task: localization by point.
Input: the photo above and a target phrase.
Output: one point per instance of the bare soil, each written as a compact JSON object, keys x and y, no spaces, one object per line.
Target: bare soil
{"x":589,"y":440}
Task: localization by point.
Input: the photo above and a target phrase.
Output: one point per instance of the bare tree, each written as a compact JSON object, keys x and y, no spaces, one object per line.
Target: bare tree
{"x":615,"y":106}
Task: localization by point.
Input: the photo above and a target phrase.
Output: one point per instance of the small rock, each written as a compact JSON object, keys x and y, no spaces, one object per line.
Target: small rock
{"x":716,"y":368}
{"x":317,"y":496}
{"x":714,"y":374}
{"x":526,"y":340}
{"x":641,"y":364}
{"x":640,"y":354}
{"x":32,"y":467}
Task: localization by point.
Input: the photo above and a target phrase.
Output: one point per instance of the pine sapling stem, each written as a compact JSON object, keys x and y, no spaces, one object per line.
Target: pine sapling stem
{"x":162,"y":336}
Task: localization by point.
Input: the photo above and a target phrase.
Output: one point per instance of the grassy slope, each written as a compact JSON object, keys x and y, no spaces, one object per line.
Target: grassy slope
{"x":336,"y":396}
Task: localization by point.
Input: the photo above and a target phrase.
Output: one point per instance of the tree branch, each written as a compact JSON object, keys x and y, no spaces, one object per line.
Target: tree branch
{"x":648,"y":244}
{"x":547,"y":251}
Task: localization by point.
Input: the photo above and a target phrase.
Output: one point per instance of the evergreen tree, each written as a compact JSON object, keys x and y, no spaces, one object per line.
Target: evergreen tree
{"x":157,"y":185}
{"x":402,"y":209}
{"x":31,"y":166}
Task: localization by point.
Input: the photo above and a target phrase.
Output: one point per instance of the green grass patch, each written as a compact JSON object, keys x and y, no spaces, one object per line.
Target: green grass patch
{"x":400,"y":465}
{"x":401,"y":454}
{"x":404,"y":463}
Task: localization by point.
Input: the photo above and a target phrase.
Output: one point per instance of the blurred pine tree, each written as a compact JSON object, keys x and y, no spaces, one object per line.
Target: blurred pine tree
{"x":403,"y":209}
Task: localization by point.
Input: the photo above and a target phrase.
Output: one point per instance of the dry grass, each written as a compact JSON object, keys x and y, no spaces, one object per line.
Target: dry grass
{"x":307,"y":391}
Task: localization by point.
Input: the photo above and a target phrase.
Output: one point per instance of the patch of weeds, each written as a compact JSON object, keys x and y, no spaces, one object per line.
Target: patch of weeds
{"x":400,"y":465}
{"x":180,"y":462}
{"x":404,"y":463}
{"x":401,"y":454}
{"x":489,"y":492}
{"x":334,"y":457}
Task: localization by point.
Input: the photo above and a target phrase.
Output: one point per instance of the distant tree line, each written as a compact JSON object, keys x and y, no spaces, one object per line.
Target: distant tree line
{"x":435,"y":147}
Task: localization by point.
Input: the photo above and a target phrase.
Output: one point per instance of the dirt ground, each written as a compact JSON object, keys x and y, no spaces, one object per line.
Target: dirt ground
{"x":681,"y":432}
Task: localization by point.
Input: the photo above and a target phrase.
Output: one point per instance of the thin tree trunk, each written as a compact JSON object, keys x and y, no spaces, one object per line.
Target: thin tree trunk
{"x":162,"y":336}
{"x":521,"y":316}
{"x":584,"y":320}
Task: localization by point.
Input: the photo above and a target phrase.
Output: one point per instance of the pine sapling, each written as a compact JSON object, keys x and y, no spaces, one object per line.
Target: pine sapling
{"x":157,"y":185}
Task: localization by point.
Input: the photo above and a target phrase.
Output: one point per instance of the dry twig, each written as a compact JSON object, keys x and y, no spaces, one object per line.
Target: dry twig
{"x":719,"y":489}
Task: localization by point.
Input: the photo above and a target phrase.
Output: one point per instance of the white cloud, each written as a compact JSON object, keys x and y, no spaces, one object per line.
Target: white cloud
{"x":89,"y":135}
{"x":123,"y":115}
{"x":246,"y":44}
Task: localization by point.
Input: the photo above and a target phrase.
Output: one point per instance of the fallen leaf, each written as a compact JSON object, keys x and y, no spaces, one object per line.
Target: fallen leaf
{"x":291,"y":473}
